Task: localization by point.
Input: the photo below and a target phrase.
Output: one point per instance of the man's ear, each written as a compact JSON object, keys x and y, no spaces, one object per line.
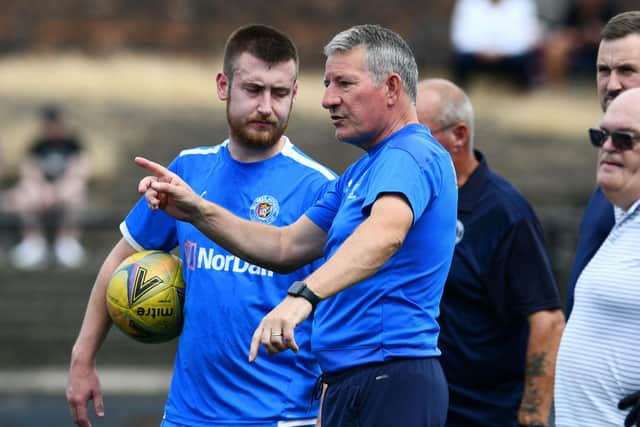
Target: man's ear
{"x":460,"y":133}
{"x":393,"y":84}
{"x":223,"y":85}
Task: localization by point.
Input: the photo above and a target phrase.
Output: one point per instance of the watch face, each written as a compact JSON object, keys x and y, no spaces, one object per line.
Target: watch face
{"x":299,"y":289}
{"x":296,"y":288}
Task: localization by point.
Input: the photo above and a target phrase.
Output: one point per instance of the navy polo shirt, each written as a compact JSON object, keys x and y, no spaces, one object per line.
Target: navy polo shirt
{"x":596,"y":224}
{"x":500,"y":274}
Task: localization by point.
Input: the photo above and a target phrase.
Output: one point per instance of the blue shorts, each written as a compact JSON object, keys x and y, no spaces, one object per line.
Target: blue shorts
{"x":399,"y":392}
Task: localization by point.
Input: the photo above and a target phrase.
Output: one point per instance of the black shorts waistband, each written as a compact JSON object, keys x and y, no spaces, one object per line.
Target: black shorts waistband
{"x":338,"y":376}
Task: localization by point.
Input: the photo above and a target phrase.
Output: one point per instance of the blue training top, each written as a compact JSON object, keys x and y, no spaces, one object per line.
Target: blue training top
{"x":596,"y":224}
{"x":499,"y":275}
{"x":226,"y":298}
{"x":393,"y":313}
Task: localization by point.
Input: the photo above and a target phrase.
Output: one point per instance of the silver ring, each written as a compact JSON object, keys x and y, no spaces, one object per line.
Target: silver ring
{"x":276,"y":334}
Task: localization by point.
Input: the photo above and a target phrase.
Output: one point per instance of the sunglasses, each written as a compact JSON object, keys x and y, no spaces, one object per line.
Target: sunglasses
{"x":621,"y":140}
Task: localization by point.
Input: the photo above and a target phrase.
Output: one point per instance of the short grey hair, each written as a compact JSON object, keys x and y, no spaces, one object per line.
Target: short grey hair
{"x":458,"y":109}
{"x":385,"y":52}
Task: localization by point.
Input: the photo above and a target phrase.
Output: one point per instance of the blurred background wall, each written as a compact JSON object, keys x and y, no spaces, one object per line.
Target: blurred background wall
{"x":200,"y":27}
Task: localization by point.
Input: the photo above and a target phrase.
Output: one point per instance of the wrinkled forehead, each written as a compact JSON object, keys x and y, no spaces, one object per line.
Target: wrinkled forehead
{"x":615,"y":52}
{"x":346,"y":61}
{"x":249,"y":68}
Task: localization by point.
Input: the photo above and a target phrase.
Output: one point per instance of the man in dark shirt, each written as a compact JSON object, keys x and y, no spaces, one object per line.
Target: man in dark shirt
{"x":500,"y":318}
{"x":53,"y":178}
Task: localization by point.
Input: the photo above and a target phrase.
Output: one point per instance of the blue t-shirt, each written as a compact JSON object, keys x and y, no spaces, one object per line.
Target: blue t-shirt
{"x":226,"y":297}
{"x":499,"y":275}
{"x":596,"y":224}
{"x":393,"y":313}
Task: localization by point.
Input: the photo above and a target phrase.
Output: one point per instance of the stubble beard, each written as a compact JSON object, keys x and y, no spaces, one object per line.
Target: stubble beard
{"x":242,"y":133}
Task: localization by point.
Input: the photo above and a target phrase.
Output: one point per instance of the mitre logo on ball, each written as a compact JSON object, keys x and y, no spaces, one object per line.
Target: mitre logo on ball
{"x":145,"y":296}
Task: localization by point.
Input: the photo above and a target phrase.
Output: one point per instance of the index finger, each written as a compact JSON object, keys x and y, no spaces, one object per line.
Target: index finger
{"x":255,"y":343}
{"x":155,"y":168}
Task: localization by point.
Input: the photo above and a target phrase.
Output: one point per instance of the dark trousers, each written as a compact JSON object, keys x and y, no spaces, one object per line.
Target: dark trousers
{"x":400,"y":392}
{"x":519,"y":69}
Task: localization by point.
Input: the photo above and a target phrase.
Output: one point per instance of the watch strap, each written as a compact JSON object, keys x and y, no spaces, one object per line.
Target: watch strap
{"x":300,"y":289}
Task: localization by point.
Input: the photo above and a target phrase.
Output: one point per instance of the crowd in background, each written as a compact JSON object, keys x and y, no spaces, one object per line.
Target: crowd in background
{"x":509,"y":38}
{"x":49,"y":196}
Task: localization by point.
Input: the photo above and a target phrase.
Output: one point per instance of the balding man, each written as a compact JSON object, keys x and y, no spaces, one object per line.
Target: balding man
{"x":598,"y":370}
{"x":500,"y":313}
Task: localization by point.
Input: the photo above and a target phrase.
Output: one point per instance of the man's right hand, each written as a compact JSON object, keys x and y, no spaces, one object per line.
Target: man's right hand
{"x":82,"y":387}
{"x":167,"y":191}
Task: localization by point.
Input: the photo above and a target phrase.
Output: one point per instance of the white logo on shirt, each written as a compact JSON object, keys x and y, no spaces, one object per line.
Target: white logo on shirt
{"x":459,"y":231}
{"x":202,"y":258}
{"x":352,"y":191}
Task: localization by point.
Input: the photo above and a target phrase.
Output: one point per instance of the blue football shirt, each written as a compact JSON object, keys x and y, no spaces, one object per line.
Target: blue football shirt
{"x":227,"y":297}
{"x":393,"y":313}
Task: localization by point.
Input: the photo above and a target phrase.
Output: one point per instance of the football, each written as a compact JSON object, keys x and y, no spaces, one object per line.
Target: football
{"x":145,"y":296}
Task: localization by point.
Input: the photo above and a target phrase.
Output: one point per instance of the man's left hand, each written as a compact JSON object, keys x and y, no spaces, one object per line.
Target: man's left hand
{"x":276,"y":331}
{"x":631,"y":401}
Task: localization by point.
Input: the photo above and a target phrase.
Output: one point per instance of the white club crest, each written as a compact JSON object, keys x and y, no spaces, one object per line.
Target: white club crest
{"x":264,"y":209}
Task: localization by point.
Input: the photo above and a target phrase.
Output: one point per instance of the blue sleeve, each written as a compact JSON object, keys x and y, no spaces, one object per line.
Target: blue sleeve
{"x":324,"y":210}
{"x":144,"y":228}
{"x":597,"y":222}
{"x":522,"y":281}
{"x":322,"y":189}
{"x":398,"y":172}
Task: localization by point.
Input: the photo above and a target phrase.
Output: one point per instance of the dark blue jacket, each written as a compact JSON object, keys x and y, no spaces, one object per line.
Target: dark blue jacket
{"x":596,"y":224}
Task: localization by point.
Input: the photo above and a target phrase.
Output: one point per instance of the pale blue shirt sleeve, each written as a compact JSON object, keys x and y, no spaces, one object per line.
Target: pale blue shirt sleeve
{"x":399,"y":172}
{"x":324,"y":210}
{"x":144,"y":228}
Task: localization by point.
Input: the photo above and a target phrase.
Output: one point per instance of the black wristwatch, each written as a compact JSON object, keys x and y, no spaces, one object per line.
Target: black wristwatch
{"x":300,"y":289}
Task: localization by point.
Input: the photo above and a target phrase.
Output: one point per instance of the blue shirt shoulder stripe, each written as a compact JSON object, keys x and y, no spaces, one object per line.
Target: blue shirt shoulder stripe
{"x":290,"y":151}
{"x":203,"y":150}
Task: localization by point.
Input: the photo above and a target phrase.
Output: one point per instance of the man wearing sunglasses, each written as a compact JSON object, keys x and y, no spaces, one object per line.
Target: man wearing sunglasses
{"x":618,"y":69}
{"x":598,"y":368}
{"x":500,"y":314}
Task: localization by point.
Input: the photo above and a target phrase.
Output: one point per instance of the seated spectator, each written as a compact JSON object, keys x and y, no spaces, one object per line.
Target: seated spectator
{"x":496,"y":37}
{"x":52,"y":184}
{"x":572,"y":49}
